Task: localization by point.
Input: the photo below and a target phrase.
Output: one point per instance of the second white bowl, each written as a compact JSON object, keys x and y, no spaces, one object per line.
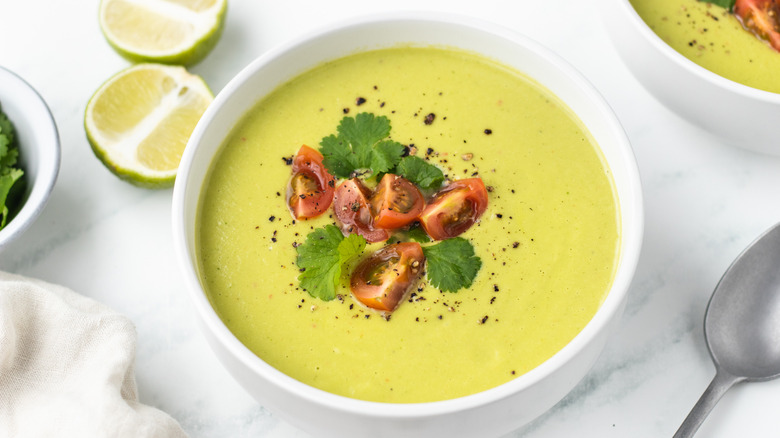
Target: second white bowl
{"x":742,"y":116}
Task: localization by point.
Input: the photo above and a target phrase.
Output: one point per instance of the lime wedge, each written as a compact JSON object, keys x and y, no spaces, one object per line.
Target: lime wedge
{"x":166,"y":31}
{"x":139,"y":121}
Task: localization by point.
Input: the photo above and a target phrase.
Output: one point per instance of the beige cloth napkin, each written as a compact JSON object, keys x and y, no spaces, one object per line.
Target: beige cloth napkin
{"x":66,"y":367}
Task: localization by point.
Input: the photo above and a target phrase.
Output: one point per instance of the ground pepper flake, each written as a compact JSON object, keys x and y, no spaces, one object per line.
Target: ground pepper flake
{"x":288,"y":160}
{"x":488,"y":131}
{"x":484,"y":319}
{"x":360,"y":101}
{"x":429,"y":118}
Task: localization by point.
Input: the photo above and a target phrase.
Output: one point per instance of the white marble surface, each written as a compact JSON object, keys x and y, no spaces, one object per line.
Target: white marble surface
{"x":705,"y":201}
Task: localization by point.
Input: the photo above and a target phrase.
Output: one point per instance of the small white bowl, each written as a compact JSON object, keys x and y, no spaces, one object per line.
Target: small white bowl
{"x":39,"y":149}
{"x":742,"y":116}
{"x":489,"y":413}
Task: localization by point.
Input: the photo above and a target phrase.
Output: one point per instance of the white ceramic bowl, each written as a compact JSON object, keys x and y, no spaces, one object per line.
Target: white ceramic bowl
{"x":489,"y":413}
{"x":742,"y":116}
{"x":39,"y":149}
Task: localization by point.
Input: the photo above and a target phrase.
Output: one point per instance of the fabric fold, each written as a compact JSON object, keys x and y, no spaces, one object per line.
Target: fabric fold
{"x":66,"y":367}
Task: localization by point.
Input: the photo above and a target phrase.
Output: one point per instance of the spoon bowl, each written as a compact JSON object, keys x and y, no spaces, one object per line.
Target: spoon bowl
{"x":742,"y":324}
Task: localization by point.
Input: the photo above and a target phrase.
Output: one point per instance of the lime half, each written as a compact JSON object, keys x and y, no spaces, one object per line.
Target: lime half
{"x":139,"y":121}
{"x":165,"y":31}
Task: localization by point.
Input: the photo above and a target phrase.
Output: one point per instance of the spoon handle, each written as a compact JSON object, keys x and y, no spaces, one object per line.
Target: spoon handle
{"x":719,"y":385}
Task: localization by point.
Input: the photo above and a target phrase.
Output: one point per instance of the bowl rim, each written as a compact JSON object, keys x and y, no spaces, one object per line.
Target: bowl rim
{"x":49,"y":157}
{"x":676,"y":57}
{"x":612,"y":304}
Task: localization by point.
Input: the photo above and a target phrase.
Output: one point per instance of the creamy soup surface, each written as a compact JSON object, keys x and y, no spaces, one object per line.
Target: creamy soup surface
{"x":712,"y":37}
{"x":548,"y":240}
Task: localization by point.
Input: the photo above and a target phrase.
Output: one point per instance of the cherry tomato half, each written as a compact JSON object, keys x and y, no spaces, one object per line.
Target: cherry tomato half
{"x":454,"y":209}
{"x":385,"y":278}
{"x":310,"y":190}
{"x":762,"y":18}
{"x":396,"y":202}
{"x":350,"y":204}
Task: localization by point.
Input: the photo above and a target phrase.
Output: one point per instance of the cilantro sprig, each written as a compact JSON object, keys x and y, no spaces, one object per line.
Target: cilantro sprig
{"x":420,"y":172}
{"x":322,"y":257}
{"x":452,"y":264}
{"x":362,"y":148}
{"x":9,"y":173}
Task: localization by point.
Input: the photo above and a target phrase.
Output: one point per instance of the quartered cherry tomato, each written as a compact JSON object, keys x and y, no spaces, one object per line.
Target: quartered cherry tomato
{"x":310,"y":190}
{"x":396,"y":202}
{"x":385,"y":278}
{"x":350,"y":204}
{"x":762,"y":18}
{"x":454,"y":209}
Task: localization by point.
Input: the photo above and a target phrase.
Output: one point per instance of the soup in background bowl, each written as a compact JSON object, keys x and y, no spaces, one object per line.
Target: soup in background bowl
{"x":285,"y":346}
{"x":690,"y":56}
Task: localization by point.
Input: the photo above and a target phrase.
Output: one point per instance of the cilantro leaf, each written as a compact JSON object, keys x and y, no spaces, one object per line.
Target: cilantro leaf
{"x":337,"y":156}
{"x":452,"y":264}
{"x":6,"y":135}
{"x":6,"y":128}
{"x":727,"y":4}
{"x":362,"y":133}
{"x":360,"y":144}
{"x":420,"y":172}
{"x":8,"y":159}
{"x":387,"y":154}
{"x":9,"y":175}
{"x":322,"y":257}
{"x":351,"y":247}
{"x":417,"y":234}
{"x":4,"y":144}
{"x":7,"y":180}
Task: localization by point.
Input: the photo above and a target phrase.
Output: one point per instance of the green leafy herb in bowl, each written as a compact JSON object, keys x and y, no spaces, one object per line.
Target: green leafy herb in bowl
{"x":11,"y":180}
{"x":28,"y":140}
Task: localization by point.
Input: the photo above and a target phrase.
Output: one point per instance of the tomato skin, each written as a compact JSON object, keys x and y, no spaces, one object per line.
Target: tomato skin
{"x":353,"y":213}
{"x":454,"y":209}
{"x":310,"y":189}
{"x":396,"y":202}
{"x":384,"y":279}
{"x":762,"y":18}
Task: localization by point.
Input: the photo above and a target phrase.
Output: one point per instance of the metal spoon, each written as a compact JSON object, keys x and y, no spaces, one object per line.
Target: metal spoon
{"x":742,"y":325}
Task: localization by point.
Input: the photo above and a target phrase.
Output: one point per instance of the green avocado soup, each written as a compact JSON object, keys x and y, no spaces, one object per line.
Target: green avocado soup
{"x":548,"y":240}
{"x":713,"y":38}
